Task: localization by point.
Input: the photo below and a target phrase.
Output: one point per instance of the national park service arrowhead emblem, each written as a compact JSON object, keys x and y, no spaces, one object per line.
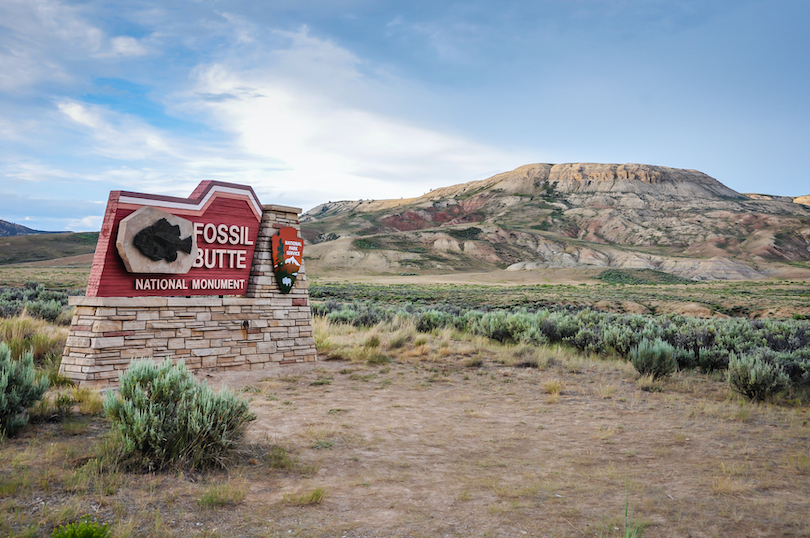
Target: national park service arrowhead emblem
{"x":288,"y":250}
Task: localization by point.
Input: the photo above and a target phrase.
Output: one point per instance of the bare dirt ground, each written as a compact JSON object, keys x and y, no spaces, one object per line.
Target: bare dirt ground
{"x":443,"y":450}
{"x":447,"y":440}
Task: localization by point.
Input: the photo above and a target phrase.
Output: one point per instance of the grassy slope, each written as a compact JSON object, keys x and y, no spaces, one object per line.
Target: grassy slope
{"x":32,"y":248}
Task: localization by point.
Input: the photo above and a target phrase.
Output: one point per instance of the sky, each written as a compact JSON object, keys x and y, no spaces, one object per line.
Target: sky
{"x":311,"y":101}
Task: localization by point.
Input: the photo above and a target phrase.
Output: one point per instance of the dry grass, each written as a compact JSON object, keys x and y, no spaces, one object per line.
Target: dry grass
{"x":553,"y":387}
{"x":606,"y":391}
{"x":24,"y":333}
{"x":230,"y":493}
{"x":316,"y":496}
{"x":648,"y":383}
{"x":52,"y":277}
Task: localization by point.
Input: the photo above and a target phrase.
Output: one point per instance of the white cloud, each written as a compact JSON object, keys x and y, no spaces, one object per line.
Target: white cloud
{"x":66,"y":23}
{"x":119,"y":136}
{"x":85,"y":224}
{"x":39,"y":39}
{"x":304,"y":107}
{"x":126,"y":46}
{"x":303,"y":124}
{"x":244,"y":30}
{"x":35,"y":172}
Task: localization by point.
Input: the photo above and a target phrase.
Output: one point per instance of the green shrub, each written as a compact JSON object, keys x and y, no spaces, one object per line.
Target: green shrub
{"x":369,"y":315}
{"x":344,"y":315}
{"x":366,"y":244}
{"x":19,"y":390}
{"x":35,"y":300}
{"x":82,"y":529}
{"x":587,"y":340}
{"x":640,"y":276}
{"x":655,"y":358}
{"x":376,"y":358}
{"x":685,"y":358}
{"x":559,"y":326}
{"x":47,"y":310}
{"x":713,"y":358}
{"x":796,"y":364}
{"x":502,"y":326}
{"x":64,"y":403}
{"x":164,"y":417}
{"x":619,"y":338}
{"x":466,"y":234}
{"x":755,"y":378}
{"x":431,"y":319}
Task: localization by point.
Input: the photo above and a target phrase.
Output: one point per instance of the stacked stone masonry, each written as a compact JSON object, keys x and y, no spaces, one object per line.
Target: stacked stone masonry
{"x":264,"y":329}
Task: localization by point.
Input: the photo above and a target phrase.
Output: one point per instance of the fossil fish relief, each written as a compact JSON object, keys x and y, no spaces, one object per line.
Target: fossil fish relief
{"x":288,"y":250}
{"x":161,"y":241}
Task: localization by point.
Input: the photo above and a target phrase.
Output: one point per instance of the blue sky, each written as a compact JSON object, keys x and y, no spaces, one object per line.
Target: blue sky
{"x":310,"y":101}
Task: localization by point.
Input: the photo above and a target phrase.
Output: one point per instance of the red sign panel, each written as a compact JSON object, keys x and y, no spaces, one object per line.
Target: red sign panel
{"x":166,"y":246}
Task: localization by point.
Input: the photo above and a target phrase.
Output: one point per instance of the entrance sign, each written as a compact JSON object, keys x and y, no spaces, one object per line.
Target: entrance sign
{"x":153,"y":245}
{"x":157,"y":255}
{"x":287,"y":251}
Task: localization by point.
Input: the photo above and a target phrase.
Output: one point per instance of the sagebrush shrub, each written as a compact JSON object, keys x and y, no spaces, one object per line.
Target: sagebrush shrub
{"x":430,"y":320}
{"x":754,"y":377}
{"x":47,"y":310}
{"x":19,"y":390}
{"x":618,"y":338}
{"x":587,"y":340}
{"x":796,"y":364}
{"x":706,"y":343}
{"x":164,"y":417}
{"x":501,"y":326}
{"x":713,"y":358}
{"x":344,"y":315}
{"x":655,"y":358}
{"x":35,"y":300}
{"x":685,"y":358}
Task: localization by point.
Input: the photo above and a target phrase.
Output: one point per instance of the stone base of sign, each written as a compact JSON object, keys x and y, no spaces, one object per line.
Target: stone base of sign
{"x":264,"y":329}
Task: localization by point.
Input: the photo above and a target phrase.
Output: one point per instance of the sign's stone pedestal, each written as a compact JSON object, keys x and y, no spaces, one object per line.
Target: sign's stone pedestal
{"x":264,"y":329}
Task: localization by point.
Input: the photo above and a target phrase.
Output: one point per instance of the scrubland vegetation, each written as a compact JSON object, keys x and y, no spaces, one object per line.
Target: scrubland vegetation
{"x":34,"y":300}
{"x":430,"y":414}
{"x":767,"y":358}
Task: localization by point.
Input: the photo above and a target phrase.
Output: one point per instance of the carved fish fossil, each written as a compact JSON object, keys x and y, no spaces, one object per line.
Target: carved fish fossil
{"x":161,"y":241}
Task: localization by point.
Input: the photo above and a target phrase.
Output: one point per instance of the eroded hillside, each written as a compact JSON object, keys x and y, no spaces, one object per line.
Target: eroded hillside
{"x":568,"y":215}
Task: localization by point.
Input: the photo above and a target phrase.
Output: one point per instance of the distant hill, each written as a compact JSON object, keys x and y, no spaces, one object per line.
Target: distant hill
{"x":9,"y":229}
{"x":577,"y":215}
{"x":45,"y":246}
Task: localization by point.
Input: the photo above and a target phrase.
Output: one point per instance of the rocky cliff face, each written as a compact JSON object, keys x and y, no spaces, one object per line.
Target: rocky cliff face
{"x":568,"y":215}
